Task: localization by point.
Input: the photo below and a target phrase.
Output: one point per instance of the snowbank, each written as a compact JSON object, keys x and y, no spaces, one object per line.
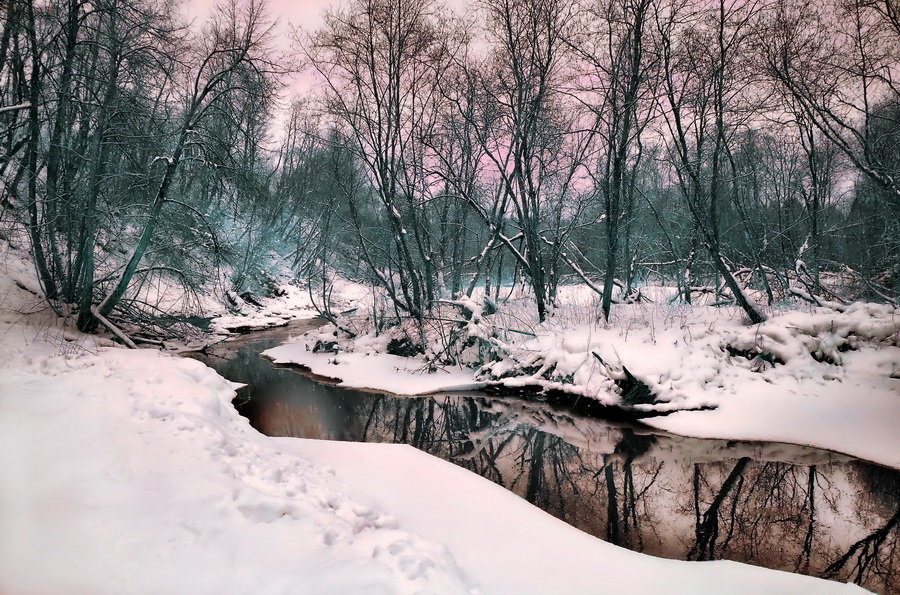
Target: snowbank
{"x":511,"y":547}
{"x":130,"y":472}
{"x":293,"y":303}
{"x":376,"y":371}
{"x":370,"y":360}
{"x":820,"y":377}
{"x":823,"y":378}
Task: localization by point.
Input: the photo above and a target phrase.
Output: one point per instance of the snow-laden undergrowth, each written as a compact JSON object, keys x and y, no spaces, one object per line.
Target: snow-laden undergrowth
{"x":704,"y":353}
{"x":289,"y":301}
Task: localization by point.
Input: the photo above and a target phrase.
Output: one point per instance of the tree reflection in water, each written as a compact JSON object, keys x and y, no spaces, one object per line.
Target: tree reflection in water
{"x":780,"y":506}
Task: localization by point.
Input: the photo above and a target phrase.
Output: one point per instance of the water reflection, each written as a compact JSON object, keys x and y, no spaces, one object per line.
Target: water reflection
{"x":787,"y":507}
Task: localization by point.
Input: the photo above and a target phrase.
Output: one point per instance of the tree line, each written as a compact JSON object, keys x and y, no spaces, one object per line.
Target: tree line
{"x":717,"y":146}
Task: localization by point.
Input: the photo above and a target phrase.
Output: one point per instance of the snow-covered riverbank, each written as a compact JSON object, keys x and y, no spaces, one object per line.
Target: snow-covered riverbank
{"x":819,"y":377}
{"x":130,"y":472}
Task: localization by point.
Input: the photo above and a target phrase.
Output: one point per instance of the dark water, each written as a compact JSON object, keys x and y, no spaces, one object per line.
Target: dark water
{"x":782,"y":506}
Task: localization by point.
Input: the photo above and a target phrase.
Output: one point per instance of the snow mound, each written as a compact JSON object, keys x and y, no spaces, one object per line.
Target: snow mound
{"x":130,"y":472}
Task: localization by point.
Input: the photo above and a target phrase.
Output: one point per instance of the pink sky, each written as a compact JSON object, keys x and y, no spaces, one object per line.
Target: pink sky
{"x":286,"y":15}
{"x":292,"y":13}
{"x":305,"y":13}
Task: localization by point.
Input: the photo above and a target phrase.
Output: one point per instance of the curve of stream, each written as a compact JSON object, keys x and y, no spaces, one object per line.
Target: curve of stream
{"x":781,"y":506}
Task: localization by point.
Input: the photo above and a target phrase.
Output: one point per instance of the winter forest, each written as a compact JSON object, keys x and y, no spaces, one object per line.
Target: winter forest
{"x":635,"y":261}
{"x":715,"y":147}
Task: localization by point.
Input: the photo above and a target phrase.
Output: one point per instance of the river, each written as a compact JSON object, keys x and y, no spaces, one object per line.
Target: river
{"x":781,"y":506}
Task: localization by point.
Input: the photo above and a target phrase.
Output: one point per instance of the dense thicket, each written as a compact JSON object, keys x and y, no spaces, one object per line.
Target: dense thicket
{"x":716,"y":146}
{"x":124,"y":139}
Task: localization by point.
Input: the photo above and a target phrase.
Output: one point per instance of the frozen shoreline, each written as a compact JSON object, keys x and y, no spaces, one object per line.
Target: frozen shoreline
{"x":157,"y":485}
{"x":865,"y":428}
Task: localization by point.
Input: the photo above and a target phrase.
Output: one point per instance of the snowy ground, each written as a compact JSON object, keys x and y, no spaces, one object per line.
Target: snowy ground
{"x":295,"y":302}
{"x":130,"y":472}
{"x":819,"y":377}
{"x":377,"y":371}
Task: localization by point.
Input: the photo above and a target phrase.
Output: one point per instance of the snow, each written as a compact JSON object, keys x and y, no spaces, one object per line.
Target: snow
{"x":295,"y":302}
{"x":519,"y":550}
{"x":857,"y":416}
{"x":822,"y":377}
{"x":130,"y":472}
{"x":376,"y":371}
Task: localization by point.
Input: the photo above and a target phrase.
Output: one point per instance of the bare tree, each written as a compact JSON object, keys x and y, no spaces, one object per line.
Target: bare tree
{"x":618,"y":51}
{"x":703,"y":83}
{"x":839,"y":82}
{"x":382,"y":61}
{"x":524,"y":85}
{"x":236,"y":46}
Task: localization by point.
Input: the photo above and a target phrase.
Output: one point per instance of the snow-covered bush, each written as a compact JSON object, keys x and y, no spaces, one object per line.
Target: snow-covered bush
{"x":823,"y":335}
{"x":458,"y":332}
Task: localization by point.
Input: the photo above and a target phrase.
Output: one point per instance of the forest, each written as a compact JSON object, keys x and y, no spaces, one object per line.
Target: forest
{"x":723,"y":148}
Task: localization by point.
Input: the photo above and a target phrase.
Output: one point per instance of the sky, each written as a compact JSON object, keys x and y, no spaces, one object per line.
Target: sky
{"x":286,"y":16}
{"x":289,"y":14}
{"x":285,"y":13}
